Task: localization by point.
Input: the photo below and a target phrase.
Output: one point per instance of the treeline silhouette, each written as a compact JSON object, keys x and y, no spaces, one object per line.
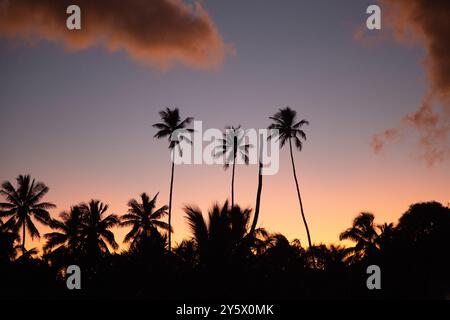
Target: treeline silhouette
{"x":227,"y":255}
{"x":221,"y":260}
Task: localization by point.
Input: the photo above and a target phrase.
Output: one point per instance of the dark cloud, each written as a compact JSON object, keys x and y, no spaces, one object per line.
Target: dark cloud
{"x":428,"y":23}
{"x":155,"y":32}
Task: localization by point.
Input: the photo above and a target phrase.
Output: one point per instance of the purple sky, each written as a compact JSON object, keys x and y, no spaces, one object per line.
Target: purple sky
{"x":81,"y":121}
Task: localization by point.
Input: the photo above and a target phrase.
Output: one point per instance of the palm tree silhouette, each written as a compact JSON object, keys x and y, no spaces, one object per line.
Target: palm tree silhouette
{"x":363,"y":232}
{"x":170,"y":127}
{"x":221,"y":236}
{"x":259,"y":190}
{"x":261,"y":240}
{"x":69,"y":228}
{"x":187,"y":252}
{"x":280,"y":253}
{"x":143,"y":219}
{"x":95,"y":229}
{"x":386,"y":235}
{"x":28,"y":255}
{"x":7,"y":240}
{"x":22,"y":204}
{"x":289,"y":129}
{"x":264,"y":240}
{"x":232,"y":145}
{"x":330,"y":258}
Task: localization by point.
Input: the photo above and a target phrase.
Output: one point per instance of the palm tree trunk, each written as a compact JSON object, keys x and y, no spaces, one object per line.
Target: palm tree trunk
{"x":300,"y":201}
{"x":170,"y":202}
{"x":23,"y":238}
{"x":232,"y":182}
{"x":258,"y":195}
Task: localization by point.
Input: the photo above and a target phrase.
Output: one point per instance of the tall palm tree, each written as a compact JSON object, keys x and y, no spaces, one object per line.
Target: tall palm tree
{"x":95,"y":229}
{"x":144,"y":219}
{"x":364,"y":233}
{"x":68,"y":234}
{"x":259,"y":190}
{"x":289,"y":130}
{"x":22,"y":204}
{"x":171,"y":124}
{"x":231,"y":146}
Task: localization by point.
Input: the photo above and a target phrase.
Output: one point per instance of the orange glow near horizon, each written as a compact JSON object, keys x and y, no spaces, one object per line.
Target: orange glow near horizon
{"x":331,"y":200}
{"x":81,"y":120}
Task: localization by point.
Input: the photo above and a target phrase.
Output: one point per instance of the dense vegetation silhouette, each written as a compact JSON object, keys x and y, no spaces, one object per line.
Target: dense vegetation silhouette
{"x":223,"y":259}
{"x":226,"y":255}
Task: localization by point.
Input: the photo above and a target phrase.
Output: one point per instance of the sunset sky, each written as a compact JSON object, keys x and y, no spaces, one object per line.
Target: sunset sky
{"x":76,"y":112}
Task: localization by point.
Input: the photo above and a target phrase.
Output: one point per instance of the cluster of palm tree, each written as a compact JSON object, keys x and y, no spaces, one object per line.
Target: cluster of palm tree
{"x":223,"y":248}
{"x":225,"y":243}
{"x":83,"y":231}
{"x":86,"y":227}
{"x":286,"y":128}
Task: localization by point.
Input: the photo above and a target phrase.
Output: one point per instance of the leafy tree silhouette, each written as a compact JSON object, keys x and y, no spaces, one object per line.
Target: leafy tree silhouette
{"x":420,"y":245}
{"x":428,"y":221}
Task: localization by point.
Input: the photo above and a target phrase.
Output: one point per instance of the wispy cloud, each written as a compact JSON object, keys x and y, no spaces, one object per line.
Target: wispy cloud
{"x":378,"y":140}
{"x":427,"y":23}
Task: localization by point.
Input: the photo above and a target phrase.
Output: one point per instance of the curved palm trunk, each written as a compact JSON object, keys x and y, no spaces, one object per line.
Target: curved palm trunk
{"x":170,"y":203}
{"x":232,"y":183}
{"x":23,"y":238}
{"x":300,"y":201}
{"x":258,"y":195}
